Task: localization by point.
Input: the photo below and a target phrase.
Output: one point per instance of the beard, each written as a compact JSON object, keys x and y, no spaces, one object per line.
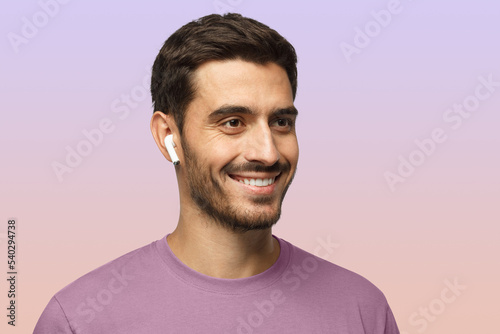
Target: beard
{"x":210,"y":197}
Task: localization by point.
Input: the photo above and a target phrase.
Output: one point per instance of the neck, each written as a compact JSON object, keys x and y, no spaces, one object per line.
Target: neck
{"x":214,"y":251}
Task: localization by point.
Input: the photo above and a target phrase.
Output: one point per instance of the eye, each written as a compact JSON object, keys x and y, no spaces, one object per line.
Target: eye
{"x":232,"y":123}
{"x":283,"y":124}
{"x":233,"y":126}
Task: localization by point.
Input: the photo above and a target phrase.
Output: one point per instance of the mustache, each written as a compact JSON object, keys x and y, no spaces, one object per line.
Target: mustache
{"x":256,"y":167}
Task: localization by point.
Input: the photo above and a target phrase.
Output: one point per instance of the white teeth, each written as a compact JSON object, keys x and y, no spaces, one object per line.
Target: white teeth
{"x":258,"y":182}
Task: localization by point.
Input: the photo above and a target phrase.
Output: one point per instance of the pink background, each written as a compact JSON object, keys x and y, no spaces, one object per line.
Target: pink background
{"x":356,"y":119}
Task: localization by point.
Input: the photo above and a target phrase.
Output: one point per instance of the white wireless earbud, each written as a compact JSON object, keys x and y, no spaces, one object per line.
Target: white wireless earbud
{"x":169,"y":144}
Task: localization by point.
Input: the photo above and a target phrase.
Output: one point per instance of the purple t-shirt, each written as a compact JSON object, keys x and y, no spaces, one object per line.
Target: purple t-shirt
{"x":149,"y":290}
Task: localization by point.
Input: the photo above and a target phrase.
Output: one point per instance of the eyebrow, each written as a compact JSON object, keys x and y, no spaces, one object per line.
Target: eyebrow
{"x":226,"y":110}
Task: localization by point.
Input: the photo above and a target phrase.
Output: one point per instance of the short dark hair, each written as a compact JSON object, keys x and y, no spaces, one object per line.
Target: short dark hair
{"x":213,"y":37}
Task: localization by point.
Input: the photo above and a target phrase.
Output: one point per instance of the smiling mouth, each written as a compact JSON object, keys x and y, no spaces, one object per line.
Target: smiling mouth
{"x":258,"y":182}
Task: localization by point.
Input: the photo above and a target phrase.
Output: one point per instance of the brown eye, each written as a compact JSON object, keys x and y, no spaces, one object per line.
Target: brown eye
{"x":233,"y":123}
{"x":233,"y":126}
{"x":283,"y":124}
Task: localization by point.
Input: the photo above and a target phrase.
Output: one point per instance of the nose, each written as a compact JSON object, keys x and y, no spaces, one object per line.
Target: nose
{"x":261,"y":146}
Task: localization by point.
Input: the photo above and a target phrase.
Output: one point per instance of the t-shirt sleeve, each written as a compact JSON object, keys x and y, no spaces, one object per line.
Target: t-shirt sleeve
{"x":390,"y":323}
{"x":53,"y":320}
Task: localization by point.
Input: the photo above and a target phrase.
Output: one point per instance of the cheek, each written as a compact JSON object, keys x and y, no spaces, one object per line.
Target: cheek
{"x":290,"y":151}
{"x":219,"y":155}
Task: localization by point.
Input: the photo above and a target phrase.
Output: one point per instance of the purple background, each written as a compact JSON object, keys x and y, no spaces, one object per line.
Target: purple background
{"x":359,"y":115}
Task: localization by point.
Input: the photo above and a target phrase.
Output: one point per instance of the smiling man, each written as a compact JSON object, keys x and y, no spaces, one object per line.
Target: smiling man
{"x":223,"y":89}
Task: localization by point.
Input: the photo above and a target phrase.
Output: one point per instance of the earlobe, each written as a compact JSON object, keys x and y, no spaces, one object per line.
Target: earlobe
{"x":163,"y":128}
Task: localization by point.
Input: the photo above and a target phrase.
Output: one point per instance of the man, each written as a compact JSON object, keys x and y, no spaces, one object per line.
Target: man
{"x":223,"y":89}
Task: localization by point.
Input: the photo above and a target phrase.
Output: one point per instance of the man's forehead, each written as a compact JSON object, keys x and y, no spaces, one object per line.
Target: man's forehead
{"x":238,"y":82}
{"x":220,"y":72}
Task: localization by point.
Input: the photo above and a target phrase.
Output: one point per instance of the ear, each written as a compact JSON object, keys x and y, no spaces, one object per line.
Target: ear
{"x":163,"y":125}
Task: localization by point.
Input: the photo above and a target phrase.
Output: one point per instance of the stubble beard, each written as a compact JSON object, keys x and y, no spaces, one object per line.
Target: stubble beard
{"x":213,"y":201}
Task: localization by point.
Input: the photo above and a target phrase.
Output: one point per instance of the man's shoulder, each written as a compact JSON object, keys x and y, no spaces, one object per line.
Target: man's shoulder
{"x":334,"y":279}
{"x":109,"y":276}
{"x":74,"y":307}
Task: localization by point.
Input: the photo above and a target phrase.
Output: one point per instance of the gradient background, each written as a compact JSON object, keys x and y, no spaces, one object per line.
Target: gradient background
{"x":355,"y":119}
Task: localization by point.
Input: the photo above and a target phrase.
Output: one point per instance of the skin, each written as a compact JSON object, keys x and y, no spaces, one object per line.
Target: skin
{"x":242,"y":115}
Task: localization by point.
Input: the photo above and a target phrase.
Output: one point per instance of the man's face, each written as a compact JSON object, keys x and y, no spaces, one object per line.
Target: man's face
{"x":239,"y":144}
